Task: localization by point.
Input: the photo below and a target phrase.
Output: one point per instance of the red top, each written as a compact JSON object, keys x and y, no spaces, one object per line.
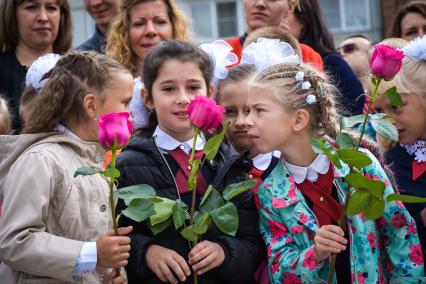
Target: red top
{"x":308,"y":54}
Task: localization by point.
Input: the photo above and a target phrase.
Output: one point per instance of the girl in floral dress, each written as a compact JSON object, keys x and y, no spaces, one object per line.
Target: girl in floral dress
{"x":302,"y":199}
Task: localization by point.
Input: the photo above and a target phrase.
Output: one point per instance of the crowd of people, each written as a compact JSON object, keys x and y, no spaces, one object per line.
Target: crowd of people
{"x":288,"y":84}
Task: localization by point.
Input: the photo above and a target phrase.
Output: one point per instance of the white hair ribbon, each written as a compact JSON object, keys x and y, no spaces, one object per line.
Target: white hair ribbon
{"x":41,"y":66}
{"x":221,"y":54}
{"x":266,"y":52}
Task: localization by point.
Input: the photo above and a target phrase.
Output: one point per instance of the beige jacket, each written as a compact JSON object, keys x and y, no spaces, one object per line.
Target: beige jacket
{"x":48,"y":214}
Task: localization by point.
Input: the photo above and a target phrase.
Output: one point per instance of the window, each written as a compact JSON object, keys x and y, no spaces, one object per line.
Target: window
{"x":346,"y":15}
{"x":83,"y":25}
{"x":213,"y":19}
{"x":226,"y":18}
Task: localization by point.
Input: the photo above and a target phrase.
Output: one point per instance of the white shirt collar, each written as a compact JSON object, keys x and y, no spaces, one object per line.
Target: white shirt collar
{"x":320,"y":165}
{"x":262,"y":161}
{"x":60,"y":128}
{"x":169,"y":143}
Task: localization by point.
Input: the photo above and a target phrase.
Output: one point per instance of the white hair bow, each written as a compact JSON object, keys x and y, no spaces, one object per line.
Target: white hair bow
{"x":266,"y":52}
{"x":40,"y":66}
{"x":222,"y":56}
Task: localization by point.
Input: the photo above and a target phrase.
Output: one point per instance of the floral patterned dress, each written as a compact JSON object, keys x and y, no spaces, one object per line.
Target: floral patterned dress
{"x":386,"y":250}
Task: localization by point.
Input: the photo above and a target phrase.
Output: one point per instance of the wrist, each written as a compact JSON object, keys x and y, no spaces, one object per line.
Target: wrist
{"x":423,"y":216}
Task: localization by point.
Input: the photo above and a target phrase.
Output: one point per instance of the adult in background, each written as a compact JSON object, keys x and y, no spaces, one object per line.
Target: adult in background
{"x":355,"y":49}
{"x":306,"y":23}
{"x":29,"y":29}
{"x":410,"y":21}
{"x":270,"y":13}
{"x":141,"y":25}
{"x":103,"y":13}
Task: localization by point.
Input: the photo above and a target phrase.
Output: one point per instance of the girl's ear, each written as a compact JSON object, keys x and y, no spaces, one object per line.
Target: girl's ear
{"x":89,"y":105}
{"x":300,"y":119}
{"x":292,"y":4}
{"x":147,"y":99}
{"x":211,"y":91}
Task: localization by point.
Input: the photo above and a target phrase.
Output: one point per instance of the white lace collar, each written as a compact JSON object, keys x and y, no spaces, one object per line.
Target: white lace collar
{"x":320,"y":165}
{"x":168,"y":143}
{"x":418,"y":149}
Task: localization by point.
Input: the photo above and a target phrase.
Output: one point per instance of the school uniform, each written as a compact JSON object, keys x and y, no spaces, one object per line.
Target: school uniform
{"x":386,"y":250}
{"x":153,"y":161}
{"x":410,"y":175}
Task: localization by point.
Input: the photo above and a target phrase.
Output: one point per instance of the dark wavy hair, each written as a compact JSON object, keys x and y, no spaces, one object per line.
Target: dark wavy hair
{"x":162,"y":53}
{"x":315,"y":31}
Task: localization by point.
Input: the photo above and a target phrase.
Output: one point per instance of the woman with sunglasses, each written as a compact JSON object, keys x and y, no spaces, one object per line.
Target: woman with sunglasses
{"x":307,"y":25}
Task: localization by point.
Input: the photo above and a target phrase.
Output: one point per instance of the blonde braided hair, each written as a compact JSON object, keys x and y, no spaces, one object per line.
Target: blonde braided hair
{"x":324,"y":116}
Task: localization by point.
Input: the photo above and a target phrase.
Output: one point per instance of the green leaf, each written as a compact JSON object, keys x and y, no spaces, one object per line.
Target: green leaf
{"x":158,"y":228}
{"x":212,"y":145}
{"x":318,"y":145}
{"x":384,"y":127}
{"x":140,"y":191}
{"x":356,"y":180}
{"x":178,"y":216}
{"x":226,"y":218}
{"x":211,"y":200}
{"x":349,"y":122}
{"x":139,"y":210}
{"x":236,"y":189}
{"x":354,"y":158}
{"x":87,"y":171}
{"x":193,"y":175}
{"x":202,"y":224}
{"x":189,"y":234}
{"x":405,"y":198}
{"x":163,"y":211}
{"x":375,"y":209}
{"x":344,"y":140}
{"x":181,"y":204}
{"x":376,"y":188}
{"x":358,"y":201}
{"x":111,"y":173}
{"x":394,"y":97}
{"x":321,"y":147}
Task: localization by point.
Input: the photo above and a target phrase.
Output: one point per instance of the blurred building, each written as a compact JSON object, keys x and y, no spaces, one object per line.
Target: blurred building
{"x":213,"y":19}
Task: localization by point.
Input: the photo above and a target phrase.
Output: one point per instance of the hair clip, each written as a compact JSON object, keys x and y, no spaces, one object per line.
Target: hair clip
{"x":266,"y":52}
{"x":221,"y":55}
{"x":304,"y":85}
{"x":416,"y":49}
{"x":39,"y":68}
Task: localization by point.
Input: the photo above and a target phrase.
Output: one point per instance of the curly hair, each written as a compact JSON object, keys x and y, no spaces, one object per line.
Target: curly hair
{"x":118,"y":42}
{"x":76,"y":74}
{"x":324,"y":116}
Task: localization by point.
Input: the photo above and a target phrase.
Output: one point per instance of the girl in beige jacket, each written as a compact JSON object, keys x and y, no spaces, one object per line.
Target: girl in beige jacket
{"x":54,"y":227}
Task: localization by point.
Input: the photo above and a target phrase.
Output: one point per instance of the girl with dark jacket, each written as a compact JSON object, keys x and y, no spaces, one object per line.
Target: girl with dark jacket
{"x":174,"y":74}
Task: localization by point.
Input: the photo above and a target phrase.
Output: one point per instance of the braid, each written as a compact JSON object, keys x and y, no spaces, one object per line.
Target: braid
{"x":61,"y":100}
{"x":324,"y":114}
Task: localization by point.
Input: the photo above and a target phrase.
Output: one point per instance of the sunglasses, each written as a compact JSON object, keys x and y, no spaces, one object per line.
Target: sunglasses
{"x":347,"y":48}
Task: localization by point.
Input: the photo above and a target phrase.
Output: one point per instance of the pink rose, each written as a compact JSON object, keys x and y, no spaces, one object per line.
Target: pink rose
{"x":204,"y":113}
{"x":115,"y":130}
{"x":386,"y":61}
